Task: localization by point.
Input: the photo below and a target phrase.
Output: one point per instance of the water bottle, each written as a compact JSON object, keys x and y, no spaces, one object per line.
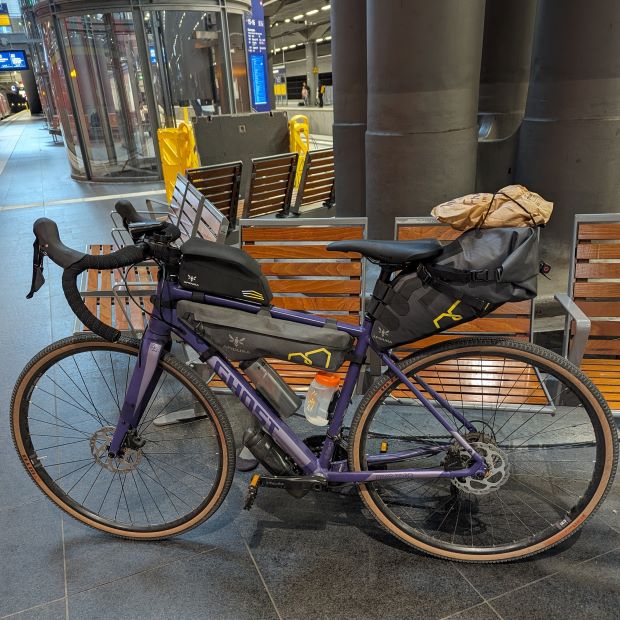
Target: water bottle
{"x":319,"y":397}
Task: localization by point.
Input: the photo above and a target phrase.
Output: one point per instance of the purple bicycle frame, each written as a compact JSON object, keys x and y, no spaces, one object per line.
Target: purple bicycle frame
{"x":157,"y":339}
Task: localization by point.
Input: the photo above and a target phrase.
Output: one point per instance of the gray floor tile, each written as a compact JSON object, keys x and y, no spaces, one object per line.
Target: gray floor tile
{"x":480,"y":612}
{"x":587,"y":590}
{"x":321,"y":558}
{"x":220,"y":584}
{"x":95,"y":558}
{"x":31,"y":542}
{"x":494,"y":579}
{"x":50,"y":611}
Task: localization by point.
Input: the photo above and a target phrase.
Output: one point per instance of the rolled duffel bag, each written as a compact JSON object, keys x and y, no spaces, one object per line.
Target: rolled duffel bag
{"x":244,"y":336}
{"x":474,"y":275}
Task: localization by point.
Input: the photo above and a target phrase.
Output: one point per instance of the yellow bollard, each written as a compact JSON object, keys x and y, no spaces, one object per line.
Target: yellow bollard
{"x":177,"y":149}
{"x":299,"y":137}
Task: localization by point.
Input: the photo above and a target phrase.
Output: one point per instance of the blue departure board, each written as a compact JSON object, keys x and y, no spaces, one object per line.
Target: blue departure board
{"x":256,"y":45}
{"x":13,"y":60}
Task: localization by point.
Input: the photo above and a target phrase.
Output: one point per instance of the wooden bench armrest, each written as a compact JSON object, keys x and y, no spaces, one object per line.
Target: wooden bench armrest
{"x":582,"y":329}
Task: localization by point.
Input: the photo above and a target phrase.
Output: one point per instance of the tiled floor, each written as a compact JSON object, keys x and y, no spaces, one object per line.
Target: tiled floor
{"x":318,"y":557}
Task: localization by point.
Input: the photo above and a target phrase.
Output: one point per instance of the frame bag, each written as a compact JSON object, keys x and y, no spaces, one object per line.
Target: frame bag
{"x":474,"y":275}
{"x":245,"y":336}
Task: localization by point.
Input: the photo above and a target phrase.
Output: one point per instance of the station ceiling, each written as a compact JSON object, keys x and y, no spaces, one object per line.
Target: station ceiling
{"x":294,"y":22}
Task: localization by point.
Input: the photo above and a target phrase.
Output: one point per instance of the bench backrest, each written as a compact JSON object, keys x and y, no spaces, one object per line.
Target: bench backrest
{"x":594,"y":279}
{"x":220,"y":184}
{"x":317,"y":180}
{"x":199,"y":218}
{"x":302,"y":274}
{"x":271,"y":185}
{"x":511,"y":319}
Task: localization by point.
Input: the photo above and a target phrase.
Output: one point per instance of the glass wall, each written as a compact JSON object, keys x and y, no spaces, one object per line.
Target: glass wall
{"x":192,"y":48}
{"x":117,"y":76}
{"x":239,"y":67}
{"x":60,"y":93}
{"x":107,"y":74}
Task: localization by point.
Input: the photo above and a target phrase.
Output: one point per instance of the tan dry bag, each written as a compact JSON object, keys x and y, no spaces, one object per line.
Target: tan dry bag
{"x":511,"y":206}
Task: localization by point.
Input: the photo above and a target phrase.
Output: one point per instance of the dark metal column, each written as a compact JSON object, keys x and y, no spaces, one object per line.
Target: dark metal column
{"x":348,"y":27}
{"x":32,"y":92}
{"x":423,"y":71}
{"x":504,"y":81}
{"x":569,"y":146}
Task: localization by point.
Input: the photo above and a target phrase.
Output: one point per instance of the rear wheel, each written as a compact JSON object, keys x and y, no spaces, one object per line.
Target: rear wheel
{"x":65,"y":407}
{"x":544,"y":430}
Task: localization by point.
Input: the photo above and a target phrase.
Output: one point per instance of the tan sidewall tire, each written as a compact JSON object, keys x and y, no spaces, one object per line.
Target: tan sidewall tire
{"x":570,"y":372}
{"x":174,"y":368}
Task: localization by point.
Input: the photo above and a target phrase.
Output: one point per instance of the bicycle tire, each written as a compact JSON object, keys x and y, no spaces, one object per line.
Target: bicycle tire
{"x":222,"y":436}
{"x":594,"y":406}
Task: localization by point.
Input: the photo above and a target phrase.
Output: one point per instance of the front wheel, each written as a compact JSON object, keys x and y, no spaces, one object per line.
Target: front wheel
{"x":544,"y":430}
{"x":168,"y":479}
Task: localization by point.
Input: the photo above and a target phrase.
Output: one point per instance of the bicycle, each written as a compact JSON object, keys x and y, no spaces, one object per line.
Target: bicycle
{"x":478,"y":450}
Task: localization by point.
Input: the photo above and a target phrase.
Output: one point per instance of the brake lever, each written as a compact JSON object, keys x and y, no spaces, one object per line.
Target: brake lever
{"x":37,"y":269}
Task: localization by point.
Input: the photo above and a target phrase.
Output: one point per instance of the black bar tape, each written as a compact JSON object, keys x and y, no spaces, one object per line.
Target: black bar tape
{"x":123,"y":258}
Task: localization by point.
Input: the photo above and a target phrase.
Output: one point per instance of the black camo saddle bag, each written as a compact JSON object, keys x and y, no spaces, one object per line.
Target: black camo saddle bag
{"x":474,"y":275}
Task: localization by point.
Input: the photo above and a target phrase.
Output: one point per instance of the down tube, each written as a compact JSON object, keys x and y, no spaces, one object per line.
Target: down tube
{"x":281,"y":433}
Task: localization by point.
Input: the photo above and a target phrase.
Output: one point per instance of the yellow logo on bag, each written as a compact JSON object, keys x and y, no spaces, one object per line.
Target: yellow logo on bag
{"x":306,"y":358}
{"x":253,"y":295}
{"x":449,"y":314}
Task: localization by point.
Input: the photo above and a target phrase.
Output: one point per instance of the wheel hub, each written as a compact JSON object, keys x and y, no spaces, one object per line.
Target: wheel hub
{"x":496,"y":461}
{"x":124,"y":463}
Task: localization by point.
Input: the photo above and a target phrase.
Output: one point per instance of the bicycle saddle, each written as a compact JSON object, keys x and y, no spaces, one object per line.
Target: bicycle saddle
{"x":390,"y":252}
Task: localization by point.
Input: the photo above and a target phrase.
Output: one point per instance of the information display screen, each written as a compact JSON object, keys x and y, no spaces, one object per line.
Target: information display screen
{"x":13,"y":60}
{"x":256,"y":45}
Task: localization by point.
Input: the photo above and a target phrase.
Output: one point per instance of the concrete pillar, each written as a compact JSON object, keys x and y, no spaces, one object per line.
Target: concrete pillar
{"x":423,"y":72}
{"x":504,"y":81}
{"x":569,"y":145}
{"x":311,"y":78}
{"x":348,"y":26}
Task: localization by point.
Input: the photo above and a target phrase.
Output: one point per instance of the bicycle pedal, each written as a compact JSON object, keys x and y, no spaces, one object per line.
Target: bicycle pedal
{"x":252,"y":492}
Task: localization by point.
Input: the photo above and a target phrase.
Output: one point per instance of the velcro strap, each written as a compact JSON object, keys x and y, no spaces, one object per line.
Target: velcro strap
{"x":464,"y":277}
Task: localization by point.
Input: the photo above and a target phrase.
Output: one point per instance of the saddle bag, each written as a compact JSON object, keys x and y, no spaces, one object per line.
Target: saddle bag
{"x":244,"y":336}
{"x":474,"y":275}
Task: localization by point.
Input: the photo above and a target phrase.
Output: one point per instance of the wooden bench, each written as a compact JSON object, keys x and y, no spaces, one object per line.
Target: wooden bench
{"x":304,"y":276}
{"x":316,"y":186}
{"x":106,"y":292}
{"x":592,"y":333}
{"x":514,"y":320}
{"x":221,"y":185}
{"x":271,"y":186}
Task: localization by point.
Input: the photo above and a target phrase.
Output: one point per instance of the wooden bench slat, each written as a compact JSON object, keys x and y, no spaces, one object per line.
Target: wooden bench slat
{"x":607,"y":230}
{"x":601,"y":251}
{"x":302,"y":233}
{"x":412,"y":233}
{"x":598,"y":270}
{"x":311,"y":269}
{"x":316,"y":286}
{"x":596,"y":289}
{"x":290,"y":252}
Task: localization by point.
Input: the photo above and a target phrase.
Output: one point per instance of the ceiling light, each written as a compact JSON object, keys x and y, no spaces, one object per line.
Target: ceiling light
{"x":285,"y":47}
{"x":326,"y":7}
{"x":287,"y":20}
{"x":329,"y":38}
{"x":319,"y":40}
{"x":276,"y":50}
{"x":313,"y":12}
{"x":298,"y":17}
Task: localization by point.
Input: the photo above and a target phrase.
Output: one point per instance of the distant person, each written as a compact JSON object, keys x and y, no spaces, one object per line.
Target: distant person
{"x":305,"y":94}
{"x":321,"y":94}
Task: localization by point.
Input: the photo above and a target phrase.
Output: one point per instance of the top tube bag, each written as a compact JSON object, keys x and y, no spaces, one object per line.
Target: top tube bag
{"x":474,"y":275}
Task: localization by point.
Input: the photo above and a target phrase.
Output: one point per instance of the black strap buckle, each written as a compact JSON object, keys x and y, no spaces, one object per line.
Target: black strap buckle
{"x":424,"y":274}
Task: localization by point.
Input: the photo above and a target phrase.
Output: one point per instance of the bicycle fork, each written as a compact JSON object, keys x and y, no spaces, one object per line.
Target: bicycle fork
{"x":145,"y":376}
